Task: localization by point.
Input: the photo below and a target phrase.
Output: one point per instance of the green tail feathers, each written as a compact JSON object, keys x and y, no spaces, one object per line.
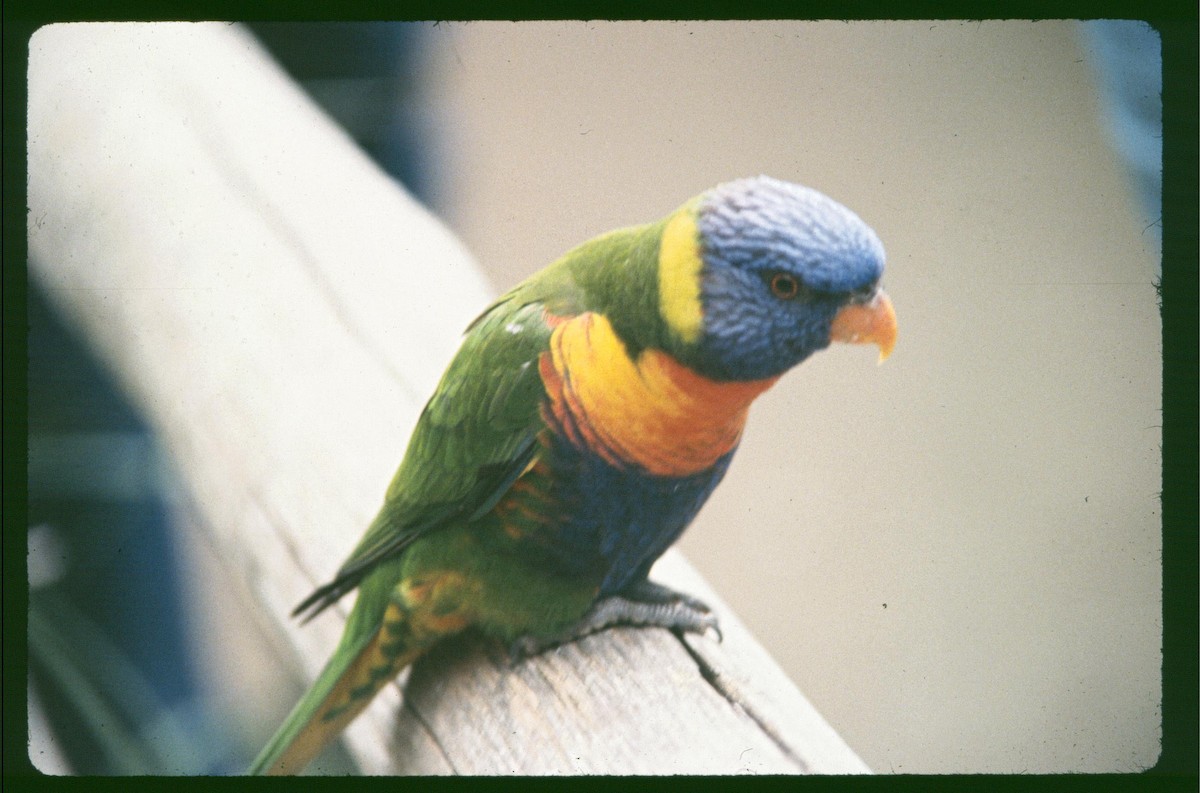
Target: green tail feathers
{"x":361,"y":666}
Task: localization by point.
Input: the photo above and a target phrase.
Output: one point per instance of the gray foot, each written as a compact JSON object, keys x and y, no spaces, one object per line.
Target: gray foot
{"x":644,"y":604}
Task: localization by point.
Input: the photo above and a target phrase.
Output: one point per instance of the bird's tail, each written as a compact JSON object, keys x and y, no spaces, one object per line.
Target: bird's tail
{"x":358,"y":669}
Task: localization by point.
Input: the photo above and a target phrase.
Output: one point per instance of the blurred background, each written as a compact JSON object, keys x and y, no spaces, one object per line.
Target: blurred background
{"x":955,"y":556}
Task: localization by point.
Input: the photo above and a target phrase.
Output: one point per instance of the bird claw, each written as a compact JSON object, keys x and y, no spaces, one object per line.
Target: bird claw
{"x":643,"y":604}
{"x":685,"y":614}
{"x":711,"y":627}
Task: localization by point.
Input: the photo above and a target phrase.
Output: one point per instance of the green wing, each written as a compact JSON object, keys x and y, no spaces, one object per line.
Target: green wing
{"x":478,"y":432}
{"x":476,"y":435}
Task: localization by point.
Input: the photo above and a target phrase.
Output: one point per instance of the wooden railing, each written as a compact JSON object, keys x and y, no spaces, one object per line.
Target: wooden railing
{"x":280,"y":309}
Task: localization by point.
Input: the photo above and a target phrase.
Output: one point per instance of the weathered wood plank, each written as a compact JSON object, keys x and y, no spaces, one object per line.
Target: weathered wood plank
{"x":279,"y":309}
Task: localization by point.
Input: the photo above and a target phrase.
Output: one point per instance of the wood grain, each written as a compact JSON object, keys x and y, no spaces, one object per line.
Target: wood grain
{"x":279,"y":309}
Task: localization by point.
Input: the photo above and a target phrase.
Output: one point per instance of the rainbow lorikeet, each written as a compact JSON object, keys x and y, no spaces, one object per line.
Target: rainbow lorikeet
{"x":587,"y":416}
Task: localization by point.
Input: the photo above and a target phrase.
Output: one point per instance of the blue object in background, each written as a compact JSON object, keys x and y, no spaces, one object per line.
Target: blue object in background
{"x":364,"y":75}
{"x":1127,"y":57}
{"x":108,"y":641}
{"x":111,"y":661}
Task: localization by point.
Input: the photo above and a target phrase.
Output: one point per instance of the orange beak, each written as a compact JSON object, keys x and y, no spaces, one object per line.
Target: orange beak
{"x":872,"y":321}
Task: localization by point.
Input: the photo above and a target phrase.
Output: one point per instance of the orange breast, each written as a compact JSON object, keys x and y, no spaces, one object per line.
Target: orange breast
{"x":651,"y":412}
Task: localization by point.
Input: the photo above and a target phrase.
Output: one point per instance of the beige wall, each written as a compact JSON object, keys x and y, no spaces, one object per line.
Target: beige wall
{"x":956,"y":555}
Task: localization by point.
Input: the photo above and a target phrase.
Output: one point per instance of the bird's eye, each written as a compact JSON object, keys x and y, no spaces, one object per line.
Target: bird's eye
{"x":784,"y":286}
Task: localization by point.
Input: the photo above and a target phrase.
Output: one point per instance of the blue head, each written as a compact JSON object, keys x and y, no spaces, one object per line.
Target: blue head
{"x":777,"y":263}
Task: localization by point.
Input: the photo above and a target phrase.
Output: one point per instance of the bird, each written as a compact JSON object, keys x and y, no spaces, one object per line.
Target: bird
{"x":587,"y":416}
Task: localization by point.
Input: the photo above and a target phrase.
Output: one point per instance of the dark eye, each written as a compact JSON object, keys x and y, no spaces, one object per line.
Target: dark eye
{"x":784,"y":286}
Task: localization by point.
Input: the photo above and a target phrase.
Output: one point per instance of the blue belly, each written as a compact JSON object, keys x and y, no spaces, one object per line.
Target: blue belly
{"x":610,"y":522}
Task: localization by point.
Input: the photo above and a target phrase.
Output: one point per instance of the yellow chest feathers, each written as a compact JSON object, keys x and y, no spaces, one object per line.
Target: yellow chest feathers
{"x":651,"y":412}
